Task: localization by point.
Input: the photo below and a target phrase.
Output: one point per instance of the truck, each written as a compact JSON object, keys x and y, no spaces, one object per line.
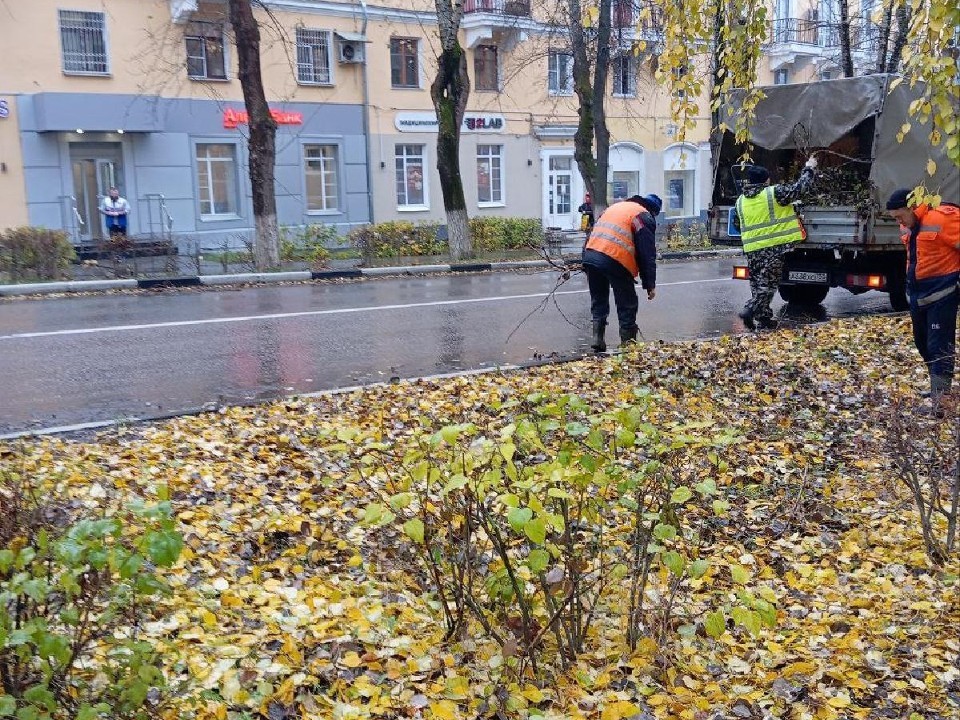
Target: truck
{"x":856,"y":129}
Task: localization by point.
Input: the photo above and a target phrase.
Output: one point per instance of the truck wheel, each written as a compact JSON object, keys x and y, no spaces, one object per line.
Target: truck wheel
{"x":898,"y":297}
{"x":804,"y":294}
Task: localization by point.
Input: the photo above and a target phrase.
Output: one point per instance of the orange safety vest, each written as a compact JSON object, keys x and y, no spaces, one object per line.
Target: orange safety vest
{"x":938,"y":240}
{"x":612,"y":234}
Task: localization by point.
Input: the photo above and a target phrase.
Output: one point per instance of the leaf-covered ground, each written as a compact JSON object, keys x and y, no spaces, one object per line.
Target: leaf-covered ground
{"x":286,"y":606}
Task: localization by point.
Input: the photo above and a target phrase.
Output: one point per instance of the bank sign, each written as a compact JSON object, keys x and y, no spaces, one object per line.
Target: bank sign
{"x":427,"y":122}
{"x":234,"y":118}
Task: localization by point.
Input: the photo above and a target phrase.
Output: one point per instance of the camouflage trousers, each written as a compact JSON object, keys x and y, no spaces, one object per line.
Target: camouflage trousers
{"x":766,"y":269}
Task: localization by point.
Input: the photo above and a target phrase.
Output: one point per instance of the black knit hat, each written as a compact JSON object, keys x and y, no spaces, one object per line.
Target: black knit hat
{"x":898,"y":200}
{"x":757,"y":175}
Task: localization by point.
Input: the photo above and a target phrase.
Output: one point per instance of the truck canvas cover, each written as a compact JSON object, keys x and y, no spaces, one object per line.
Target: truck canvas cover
{"x":822,"y":113}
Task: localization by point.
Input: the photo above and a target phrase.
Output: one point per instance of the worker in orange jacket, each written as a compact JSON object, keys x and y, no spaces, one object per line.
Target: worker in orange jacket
{"x":932,"y":239}
{"x":621,"y":247}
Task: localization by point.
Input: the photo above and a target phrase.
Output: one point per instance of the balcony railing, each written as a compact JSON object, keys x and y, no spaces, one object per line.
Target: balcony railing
{"x":863,"y":34}
{"x":516,"y":8}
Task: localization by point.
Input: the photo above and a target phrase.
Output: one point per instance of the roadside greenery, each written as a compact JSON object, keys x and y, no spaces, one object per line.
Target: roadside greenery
{"x":711,"y":529}
{"x":35,"y":253}
{"x":76,"y":585}
{"x":400,"y":238}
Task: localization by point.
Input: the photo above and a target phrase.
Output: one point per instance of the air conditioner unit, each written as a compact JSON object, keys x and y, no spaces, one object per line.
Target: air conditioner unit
{"x":351,"y":51}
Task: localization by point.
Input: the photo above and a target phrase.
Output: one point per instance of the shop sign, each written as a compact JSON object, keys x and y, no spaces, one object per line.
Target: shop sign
{"x":4,"y":109}
{"x":427,"y":122}
{"x":234,"y":118}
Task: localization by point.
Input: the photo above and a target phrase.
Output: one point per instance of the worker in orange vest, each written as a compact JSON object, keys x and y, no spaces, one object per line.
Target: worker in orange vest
{"x":621,"y":247}
{"x":932,"y":239}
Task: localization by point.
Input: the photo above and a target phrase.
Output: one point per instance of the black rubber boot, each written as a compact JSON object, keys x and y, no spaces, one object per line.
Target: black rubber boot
{"x":939,"y":386}
{"x":747,"y":318}
{"x":628,"y":336}
{"x":599,"y":344}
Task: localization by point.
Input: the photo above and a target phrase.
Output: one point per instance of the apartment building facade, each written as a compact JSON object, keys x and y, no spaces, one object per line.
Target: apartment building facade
{"x":144,"y":96}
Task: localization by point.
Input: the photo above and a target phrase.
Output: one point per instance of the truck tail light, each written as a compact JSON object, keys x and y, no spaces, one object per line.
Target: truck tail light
{"x":741,"y":272}
{"x":875,"y":282}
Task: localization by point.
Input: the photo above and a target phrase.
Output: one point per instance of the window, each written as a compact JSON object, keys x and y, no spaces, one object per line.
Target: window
{"x":680,"y":163}
{"x":679,"y":73}
{"x":205,"y":60}
{"x":411,"y":179}
{"x":622,"y":13}
{"x":404,"y":72}
{"x":781,"y":77}
{"x":490,"y":174}
{"x":313,"y":56}
{"x":624,"y":77}
{"x":560,"y":74}
{"x":217,"y":179}
{"x":83,"y":41}
{"x":679,"y":185}
{"x":320,"y":166}
{"x":486,"y":70}
{"x":826,"y":75}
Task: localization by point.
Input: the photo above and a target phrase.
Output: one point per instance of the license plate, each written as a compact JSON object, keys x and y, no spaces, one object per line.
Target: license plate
{"x":807,"y":277}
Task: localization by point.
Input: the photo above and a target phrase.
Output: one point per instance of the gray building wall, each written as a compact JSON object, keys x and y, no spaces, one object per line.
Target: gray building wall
{"x":158,"y":157}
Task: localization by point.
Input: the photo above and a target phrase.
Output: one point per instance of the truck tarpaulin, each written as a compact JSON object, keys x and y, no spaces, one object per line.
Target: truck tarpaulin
{"x":820,"y":114}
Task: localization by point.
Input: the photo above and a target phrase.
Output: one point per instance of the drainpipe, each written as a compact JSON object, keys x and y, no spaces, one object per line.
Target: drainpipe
{"x":366,"y":114}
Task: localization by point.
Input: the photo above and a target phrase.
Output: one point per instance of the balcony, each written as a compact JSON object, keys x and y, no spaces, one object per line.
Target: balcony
{"x":513,"y":8}
{"x":795,"y":40}
{"x":504,"y":22}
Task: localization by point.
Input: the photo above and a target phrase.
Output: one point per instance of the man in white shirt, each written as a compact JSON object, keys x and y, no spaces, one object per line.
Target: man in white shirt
{"x":116,"y":209}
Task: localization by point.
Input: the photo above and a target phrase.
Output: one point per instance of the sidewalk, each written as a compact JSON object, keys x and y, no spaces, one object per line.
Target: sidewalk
{"x":345,"y":271}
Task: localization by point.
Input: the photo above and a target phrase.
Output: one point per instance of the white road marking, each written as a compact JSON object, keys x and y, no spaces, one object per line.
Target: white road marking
{"x":310,"y":313}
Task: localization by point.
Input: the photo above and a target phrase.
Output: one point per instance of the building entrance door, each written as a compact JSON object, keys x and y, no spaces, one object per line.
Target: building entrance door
{"x":97,"y":167}
{"x":559,"y":189}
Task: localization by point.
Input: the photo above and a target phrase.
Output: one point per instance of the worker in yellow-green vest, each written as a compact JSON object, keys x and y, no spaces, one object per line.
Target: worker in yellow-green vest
{"x":769,"y":228}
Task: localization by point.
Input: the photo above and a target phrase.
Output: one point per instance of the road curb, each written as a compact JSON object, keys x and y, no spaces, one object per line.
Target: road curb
{"x":306,"y":275}
{"x":68,"y":286}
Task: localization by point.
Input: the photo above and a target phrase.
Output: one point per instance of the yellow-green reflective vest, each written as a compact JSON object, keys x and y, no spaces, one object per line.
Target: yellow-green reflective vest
{"x":766,"y":223}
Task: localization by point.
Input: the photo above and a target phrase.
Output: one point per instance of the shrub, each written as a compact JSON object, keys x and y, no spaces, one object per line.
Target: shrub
{"x":683,"y":236}
{"x":534,"y":527}
{"x":506,"y":233}
{"x":390,"y":239}
{"x":73,"y":590}
{"x":35,"y":253}
{"x":308,"y":244}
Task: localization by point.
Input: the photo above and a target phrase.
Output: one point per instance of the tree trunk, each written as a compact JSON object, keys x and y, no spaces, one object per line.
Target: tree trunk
{"x":903,"y":28}
{"x":846,"y":57}
{"x":591,"y":142}
{"x":601,"y":133}
{"x":450,"y":91}
{"x":263,"y":132}
{"x":716,"y":66}
{"x":884,"y":40}
{"x":583,"y":137}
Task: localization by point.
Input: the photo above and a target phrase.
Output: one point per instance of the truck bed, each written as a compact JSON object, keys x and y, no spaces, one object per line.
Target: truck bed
{"x":827,"y":228}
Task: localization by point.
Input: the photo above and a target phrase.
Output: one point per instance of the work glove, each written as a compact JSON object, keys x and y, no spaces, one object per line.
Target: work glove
{"x":811,"y":163}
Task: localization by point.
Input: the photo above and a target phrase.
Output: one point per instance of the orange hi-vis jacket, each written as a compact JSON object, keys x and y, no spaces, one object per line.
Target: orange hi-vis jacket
{"x":933,"y":253}
{"x":613,"y":234}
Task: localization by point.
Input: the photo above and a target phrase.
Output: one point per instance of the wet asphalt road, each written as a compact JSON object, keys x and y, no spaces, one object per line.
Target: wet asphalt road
{"x":101,"y":358}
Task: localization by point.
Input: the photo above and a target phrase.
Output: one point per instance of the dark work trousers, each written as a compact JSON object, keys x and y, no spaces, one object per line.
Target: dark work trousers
{"x":600,"y":279}
{"x":935,"y":333}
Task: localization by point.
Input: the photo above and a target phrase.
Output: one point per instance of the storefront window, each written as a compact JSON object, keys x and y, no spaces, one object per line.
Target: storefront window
{"x":679,"y":193}
{"x":321,"y":175}
{"x":411,"y":179}
{"x":490,"y":174}
{"x":625,"y":184}
{"x":217,"y":179}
